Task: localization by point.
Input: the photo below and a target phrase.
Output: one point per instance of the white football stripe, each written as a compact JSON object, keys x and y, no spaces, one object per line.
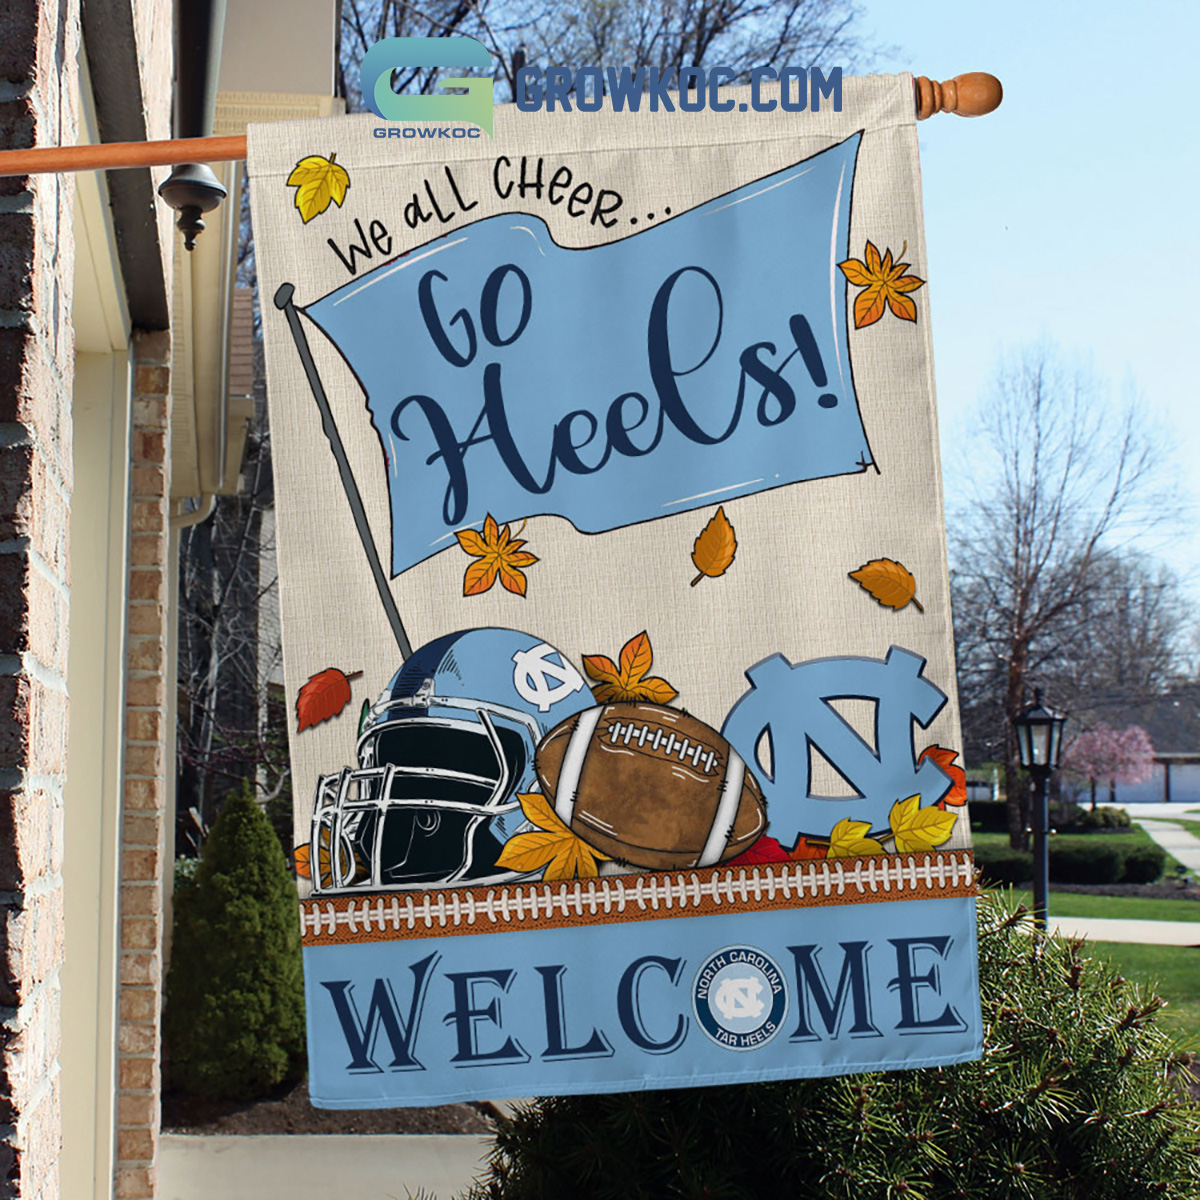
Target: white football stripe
{"x":572,"y":764}
{"x":727,"y":809}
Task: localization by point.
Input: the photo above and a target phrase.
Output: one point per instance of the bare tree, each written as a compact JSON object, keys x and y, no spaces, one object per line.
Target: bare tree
{"x":660,"y":34}
{"x":230,"y":726}
{"x":1036,"y":555}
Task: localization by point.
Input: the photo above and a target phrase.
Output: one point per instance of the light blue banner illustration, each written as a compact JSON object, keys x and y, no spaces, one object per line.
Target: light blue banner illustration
{"x":716,"y":999}
{"x":699,"y":359}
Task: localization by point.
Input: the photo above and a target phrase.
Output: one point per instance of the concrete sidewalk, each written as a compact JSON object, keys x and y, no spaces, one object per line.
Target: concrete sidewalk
{"x":1111,"y":929}
{"x":1174,"y":839}
{"x":318,"y":1167}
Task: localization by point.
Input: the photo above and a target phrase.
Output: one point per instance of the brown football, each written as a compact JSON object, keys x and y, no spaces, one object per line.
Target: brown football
{"x":651,"y":786}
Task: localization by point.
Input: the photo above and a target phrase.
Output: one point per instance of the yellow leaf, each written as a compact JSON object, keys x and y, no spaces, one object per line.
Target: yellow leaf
{"x":538,"y":811}
{"x":917,"y":828}
{"x":714,"y":550}
{"x":889,"y":582}
{"x":528,"y":851}
{"x":847,"y":839}
{"x":319,"y":182}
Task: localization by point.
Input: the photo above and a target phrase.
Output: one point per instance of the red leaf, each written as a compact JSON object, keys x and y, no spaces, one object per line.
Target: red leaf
{"x":765,"y":850}
{"x":957,"y":795}
{"x":322,"y":697}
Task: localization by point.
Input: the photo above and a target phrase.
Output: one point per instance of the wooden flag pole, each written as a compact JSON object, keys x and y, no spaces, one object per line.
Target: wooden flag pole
{"x":972,"y":95}
{"x":110,"y":156}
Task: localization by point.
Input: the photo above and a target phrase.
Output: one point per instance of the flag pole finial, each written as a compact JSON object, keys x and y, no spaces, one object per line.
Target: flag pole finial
{"x":974,"y":94}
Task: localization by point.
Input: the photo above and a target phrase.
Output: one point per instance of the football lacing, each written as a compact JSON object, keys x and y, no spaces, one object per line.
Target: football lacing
{"x":669,"y":744}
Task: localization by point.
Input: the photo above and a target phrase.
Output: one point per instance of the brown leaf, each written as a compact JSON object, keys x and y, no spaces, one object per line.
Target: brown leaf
{"x":628,"y":682}
{"x":322,"y":697}
{"x":889,"y":582}
{"x":885,"y":283}
{"x":498,"y":555}
{"x":713,"y":551}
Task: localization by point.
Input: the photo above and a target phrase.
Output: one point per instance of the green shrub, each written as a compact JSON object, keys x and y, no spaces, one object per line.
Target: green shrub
{"x":1066,"y":814}
{"x":989,"y":816}
{"x":1104,"y":818}
{"x":1073,"y":1098}
{"x":1086,"y":862}
{"x":234,"y":1020}
{"x":1144,"y":864}
{"x":1004,"y":865}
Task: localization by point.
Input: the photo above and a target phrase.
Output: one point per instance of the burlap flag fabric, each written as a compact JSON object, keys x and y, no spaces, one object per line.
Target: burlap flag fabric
{"x":617,"y":637}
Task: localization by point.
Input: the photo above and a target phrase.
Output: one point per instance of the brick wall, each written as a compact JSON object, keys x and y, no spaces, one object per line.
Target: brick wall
{"x":38,"y":45}
{"x":144,"y":816}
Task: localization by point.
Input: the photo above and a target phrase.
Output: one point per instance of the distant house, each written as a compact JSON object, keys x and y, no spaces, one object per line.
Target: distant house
{"x":1173,"y":724}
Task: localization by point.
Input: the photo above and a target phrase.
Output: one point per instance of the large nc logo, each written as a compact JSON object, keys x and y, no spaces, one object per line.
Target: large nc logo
{"x":790,"y":704}
{"x":541,"y":681}
{"x":401,"y":53}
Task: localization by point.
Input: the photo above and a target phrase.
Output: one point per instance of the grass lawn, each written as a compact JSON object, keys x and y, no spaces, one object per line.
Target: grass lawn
{"x":1193,"y":827}
{"x":1125,"y":908}
{"x":1176,"y":970}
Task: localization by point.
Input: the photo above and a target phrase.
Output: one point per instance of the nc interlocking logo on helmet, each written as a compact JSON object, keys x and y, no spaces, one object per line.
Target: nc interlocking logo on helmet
{"x":400,"y":53}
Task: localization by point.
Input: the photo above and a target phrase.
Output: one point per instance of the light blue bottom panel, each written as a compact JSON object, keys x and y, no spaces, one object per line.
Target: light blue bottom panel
{"x":651,"y":1004}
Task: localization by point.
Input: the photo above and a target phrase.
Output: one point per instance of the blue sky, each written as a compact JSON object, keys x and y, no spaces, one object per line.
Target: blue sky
{"x":1071,"y":212}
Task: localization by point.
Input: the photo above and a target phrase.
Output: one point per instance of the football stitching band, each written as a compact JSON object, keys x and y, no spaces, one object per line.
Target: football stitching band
{"x":727,"y":810}
{"x":384,"y":916}
{"x":572,"y":764}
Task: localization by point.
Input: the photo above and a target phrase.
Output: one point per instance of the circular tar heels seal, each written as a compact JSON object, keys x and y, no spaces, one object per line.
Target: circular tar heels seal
{"x":740,"y":998}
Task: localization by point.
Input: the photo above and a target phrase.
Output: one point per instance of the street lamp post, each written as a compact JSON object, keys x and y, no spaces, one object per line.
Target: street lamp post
{"x":1039,"y":744}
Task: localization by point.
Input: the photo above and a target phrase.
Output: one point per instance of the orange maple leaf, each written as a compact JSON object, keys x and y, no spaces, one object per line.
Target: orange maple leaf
{"x":957,"y":795}
{"x":498,"y":554}
{"x":618,"y":684}
{"x":885,"y":285}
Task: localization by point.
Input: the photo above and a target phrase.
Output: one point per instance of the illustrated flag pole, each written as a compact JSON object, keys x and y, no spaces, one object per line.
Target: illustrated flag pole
{"x":974,"y":94}
{"x":283,"y":301}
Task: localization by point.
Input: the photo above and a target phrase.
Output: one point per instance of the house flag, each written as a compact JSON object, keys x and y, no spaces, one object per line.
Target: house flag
{"x":617,"y":637}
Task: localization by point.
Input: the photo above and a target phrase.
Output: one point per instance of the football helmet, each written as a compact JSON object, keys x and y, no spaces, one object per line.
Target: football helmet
{"x":442,"y":755}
